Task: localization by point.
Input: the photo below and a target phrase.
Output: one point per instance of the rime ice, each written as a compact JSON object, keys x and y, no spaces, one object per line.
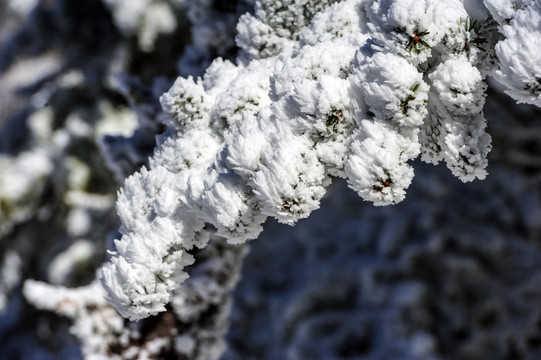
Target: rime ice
{"x":354,"y":89}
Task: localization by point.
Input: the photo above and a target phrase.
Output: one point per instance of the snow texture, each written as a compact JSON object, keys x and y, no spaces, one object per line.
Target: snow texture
{"x":304,"y":103}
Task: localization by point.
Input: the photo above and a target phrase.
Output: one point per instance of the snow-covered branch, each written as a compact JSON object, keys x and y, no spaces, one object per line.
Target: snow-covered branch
{"x":354,"y":89}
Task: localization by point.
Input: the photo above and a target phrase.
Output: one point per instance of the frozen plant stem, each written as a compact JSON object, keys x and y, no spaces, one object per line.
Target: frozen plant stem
{"x":356,"y":92}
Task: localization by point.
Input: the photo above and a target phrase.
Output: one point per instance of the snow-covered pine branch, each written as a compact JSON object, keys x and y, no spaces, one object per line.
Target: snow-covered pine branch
{"x":357,"y":91}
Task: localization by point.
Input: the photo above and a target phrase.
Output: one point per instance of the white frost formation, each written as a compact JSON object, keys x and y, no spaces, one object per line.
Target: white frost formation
{"x":520,"y":60}
{"x":359,"y":90}
{"x":194,"y":329}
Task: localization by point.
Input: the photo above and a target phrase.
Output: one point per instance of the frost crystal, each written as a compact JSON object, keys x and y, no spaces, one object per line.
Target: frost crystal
{"x":355,"y":89}
{"x":519,"y":69}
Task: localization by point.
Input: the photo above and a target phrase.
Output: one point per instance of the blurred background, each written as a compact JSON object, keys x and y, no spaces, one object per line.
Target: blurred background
{"x":452,"y":272}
